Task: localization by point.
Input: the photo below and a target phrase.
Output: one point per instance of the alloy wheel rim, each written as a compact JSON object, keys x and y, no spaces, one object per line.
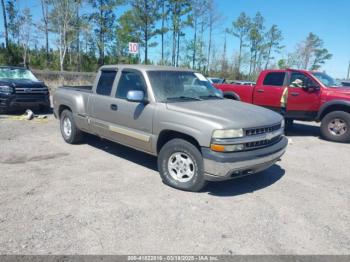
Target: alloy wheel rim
{"x":181,"y":167}
{"x":337,"y":127}
{"x":67,"y":127}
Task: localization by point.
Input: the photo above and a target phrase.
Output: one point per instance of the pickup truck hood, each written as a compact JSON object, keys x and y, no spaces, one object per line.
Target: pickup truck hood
{"x":22,"y":83}
{"x":342,"y":93}
{"x":228,"y":113}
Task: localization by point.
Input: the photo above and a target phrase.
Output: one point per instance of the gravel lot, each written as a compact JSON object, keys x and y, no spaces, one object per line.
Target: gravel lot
{"x":103,"y":198}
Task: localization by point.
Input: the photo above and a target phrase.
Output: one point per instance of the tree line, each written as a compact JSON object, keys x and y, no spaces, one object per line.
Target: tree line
{"x":82,"y":35}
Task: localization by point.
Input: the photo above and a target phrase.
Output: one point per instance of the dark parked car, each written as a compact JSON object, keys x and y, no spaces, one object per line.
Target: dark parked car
{"x":20,"y":89}
{"x":243,"y":83}
{"x":346,"y":83}
{"x":216,"y":80}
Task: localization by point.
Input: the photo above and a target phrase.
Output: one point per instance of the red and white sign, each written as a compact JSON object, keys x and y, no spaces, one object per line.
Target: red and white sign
{"x":133,"y":48}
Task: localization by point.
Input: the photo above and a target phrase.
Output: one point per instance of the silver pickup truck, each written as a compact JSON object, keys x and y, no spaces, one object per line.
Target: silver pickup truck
{"x":176,"y":115}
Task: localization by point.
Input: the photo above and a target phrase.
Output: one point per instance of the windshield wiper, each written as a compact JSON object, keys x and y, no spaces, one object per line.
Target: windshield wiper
{"x":211,"y":97}
{"x":183,"y":98}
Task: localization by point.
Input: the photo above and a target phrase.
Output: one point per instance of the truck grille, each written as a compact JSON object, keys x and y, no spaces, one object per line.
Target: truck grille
{"x":30,"y":98}
{"x":261,"y":130}
{"x":31,"y":94}
{"x":262,"y":143}
{"x":31,"y":91}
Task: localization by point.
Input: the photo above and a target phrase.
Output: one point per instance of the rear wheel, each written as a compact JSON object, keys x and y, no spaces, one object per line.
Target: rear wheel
{"x":335,"y":126}
{"x":70,"y":133}
{"x":180,"y":165}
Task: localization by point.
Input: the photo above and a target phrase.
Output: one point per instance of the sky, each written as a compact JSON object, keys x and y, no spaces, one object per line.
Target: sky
{"x":330,"y":20}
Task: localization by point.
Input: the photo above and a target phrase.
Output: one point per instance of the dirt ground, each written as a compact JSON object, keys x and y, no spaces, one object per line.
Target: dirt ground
{"x":102,"y":198}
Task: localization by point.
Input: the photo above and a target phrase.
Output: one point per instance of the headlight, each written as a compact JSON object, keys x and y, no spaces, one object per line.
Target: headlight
{"x":6,"y":89}
{"x":226,"y":148}
{"x":283,"y":123}
{"x":229,"y":133}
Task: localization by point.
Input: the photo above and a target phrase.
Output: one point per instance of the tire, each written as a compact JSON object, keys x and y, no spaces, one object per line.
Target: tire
{"x":70,"y":133}
{"x":181,"y":157}
{"x":335,"y":126}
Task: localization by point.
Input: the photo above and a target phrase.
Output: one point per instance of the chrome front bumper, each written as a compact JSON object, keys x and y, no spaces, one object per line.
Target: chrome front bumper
{"x":223,"y":166}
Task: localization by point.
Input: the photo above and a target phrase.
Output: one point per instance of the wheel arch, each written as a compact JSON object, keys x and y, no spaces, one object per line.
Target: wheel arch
{"x":167,"y":135}
{"x":337,"y":105}
{"x":61,"y":108}
{"x":231,"y":95}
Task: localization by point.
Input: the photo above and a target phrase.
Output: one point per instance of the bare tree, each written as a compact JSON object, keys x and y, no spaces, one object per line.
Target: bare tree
{"x":310,"y":53}
{"x":199,"y":8}
{"x":163,"y":30}
{"x":213,"y":19}
{"x":240,"y":29}
{"x":179,"y":15}
{"x":62,"y":17}
{"x":25,"y":33}
{"x":45,"y":19}
{"x":274,"y":38}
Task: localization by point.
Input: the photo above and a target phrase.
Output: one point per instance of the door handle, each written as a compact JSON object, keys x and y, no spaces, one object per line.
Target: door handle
{"x":294,"y":94}
{"x":114,"y":107}
{"x":261,"y":90}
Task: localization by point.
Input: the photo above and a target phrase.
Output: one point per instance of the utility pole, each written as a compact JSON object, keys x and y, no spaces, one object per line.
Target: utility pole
{"x":348,"y":71}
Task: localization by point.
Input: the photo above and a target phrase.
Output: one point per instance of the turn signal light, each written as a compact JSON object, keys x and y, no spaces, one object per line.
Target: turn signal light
{"x":217,"y":148}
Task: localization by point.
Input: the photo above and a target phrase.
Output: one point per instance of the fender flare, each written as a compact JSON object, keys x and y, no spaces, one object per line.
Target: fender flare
{"x":329,"y":104}
{"x":232,"y":94}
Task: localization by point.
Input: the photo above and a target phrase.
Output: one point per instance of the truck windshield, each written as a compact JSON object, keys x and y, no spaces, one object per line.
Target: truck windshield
{"x":17,"y":73}
{"x":326,"y":79}
{"x":181,"y":86}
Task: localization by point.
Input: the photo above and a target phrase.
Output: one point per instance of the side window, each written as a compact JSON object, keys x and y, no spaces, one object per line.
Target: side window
{"x":130,"y":80}
{"x":105,"y":83}
{"x":274,"y":79}
{"x":300,"y":80}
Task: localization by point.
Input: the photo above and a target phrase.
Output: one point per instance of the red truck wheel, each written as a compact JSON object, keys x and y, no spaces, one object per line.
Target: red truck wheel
{"x":335,"y":126}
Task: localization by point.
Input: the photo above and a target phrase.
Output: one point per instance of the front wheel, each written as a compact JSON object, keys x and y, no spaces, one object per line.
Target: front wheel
{"x":70,"y":132}
{"x":335,"y":126}
{"x":180,"y":165}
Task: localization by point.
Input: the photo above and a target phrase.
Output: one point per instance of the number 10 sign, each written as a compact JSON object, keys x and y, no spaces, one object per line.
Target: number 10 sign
{"x":133,"y":48}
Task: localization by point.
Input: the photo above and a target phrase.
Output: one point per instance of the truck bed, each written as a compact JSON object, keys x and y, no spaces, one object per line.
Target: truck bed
{"x":86,"y":89}
{"x":245,"y":92}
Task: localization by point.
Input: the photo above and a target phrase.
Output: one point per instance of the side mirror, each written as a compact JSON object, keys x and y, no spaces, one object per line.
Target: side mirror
{"x":135,"y":96}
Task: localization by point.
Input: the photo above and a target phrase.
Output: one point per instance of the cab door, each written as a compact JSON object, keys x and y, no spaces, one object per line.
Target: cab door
{"x":102,"y":113}
{"x":268,"y":94}
{"x":303,"y":102}
{"x":132,"y":122}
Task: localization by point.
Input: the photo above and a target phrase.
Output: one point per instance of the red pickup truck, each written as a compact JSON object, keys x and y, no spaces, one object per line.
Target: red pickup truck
{"x":320,"y":98}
